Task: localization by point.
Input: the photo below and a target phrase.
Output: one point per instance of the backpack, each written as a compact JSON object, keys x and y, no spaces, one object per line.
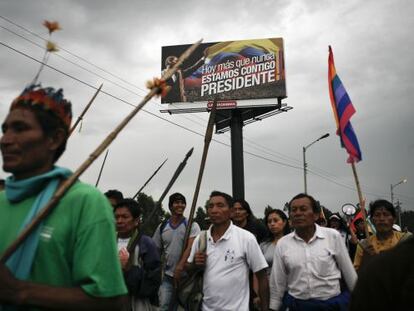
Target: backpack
{"x":150,"y":276}
{"x":190,"y":288}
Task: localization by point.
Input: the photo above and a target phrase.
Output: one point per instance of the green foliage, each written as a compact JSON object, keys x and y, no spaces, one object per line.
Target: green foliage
{"x":267,"y":208}
{"x":148,"y":205}
{"x":201,"y":218}
{"x":407,"y":220}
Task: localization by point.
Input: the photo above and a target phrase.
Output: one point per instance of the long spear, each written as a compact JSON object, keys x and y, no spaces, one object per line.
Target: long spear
{"x":170,"y":184}
{"x":65,"y":185}
{"x":85,"y":110}
{"x":149,"y":179}
{"x":207,"y":140}
{"x":176,"y":174}
{"x":102,"y":166}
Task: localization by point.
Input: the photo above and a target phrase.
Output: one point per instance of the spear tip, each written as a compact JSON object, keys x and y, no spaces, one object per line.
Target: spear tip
{"x":190,"y":152}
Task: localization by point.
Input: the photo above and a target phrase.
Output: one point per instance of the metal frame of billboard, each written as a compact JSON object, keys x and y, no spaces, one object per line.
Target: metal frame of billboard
{"x":222,"y":104}
{"x":252,"y":110}
{"x":223,"y":118}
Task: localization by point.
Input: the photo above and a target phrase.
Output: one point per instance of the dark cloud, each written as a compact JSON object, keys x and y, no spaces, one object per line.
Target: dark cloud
{"x":373,"y":53}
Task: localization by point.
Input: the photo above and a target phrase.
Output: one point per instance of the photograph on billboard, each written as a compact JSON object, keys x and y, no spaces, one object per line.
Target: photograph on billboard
{"x":227,"y":71}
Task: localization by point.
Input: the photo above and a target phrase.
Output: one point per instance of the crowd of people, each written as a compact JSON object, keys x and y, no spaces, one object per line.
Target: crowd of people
{"x":89,"y":252}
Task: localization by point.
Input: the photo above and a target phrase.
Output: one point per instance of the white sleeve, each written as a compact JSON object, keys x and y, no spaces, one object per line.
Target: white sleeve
{"x":254,"y":255}
{"x":195,"y":230}
{"x":344,"y":263}
{"x":278,"y":279}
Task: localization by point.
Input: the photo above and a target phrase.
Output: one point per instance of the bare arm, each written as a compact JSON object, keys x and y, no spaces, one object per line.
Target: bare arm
{"x":181,"y":266}
{"x":263,"y":284}
{"x":23,"y":293}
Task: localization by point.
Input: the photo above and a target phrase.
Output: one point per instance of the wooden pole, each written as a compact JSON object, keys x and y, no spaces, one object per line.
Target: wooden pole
{"x":361,"y":199}
{"x":65,"y":185}
{"x":207,"y":140}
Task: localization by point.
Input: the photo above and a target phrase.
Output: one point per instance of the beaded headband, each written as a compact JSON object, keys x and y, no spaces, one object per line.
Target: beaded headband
{"x":46,"y":98}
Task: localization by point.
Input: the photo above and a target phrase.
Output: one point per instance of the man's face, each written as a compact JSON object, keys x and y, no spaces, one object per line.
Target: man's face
{"x":239,"y":213}
{"x":360,"y":226}
{"x":301,"y":213}
{"x":26,"y":150}
{"x":218,"y":210}
{"x":172,"y":61}
{"x":178,"y":207}
{"x":125,"y":223}
{"x":383,"y":220}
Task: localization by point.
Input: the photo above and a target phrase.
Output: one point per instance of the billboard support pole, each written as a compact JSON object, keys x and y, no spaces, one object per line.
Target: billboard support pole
{"x":237,"y":164}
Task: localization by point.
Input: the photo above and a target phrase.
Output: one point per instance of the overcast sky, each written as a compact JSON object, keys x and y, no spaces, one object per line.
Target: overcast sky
{"x":118,"y":43}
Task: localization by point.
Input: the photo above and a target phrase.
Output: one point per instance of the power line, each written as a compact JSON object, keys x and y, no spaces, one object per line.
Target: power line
{"x":67,"y":51}
{"x":171,"y":122}
{"x":247,"y":140}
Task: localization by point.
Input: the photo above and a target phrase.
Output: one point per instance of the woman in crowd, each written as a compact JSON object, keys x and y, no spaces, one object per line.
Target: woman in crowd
{"x":278,"y":226}
{"x":336,"y":222}
{"x":243,"y":217}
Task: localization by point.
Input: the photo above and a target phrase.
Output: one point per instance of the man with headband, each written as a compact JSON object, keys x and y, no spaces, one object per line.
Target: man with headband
{"x":70,"y":261}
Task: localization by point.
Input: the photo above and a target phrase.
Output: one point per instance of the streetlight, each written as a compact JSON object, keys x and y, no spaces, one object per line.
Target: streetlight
{"x":392,"y":197}
{"x":304,"y":159}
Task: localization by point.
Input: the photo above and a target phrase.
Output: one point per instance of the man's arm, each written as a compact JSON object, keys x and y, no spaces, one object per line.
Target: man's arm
{"x":278,"y":280}
{"x":181,"y":264}
{"x":23,"y":293}
{"x":263,"y":283}
{"x":345,"y":264}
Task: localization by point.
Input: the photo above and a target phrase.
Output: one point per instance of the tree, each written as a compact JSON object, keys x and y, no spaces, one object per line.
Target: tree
{"x":267,"y":209}
{"x":201,"y":218}
{"x":147,"y":205}
{"x":407,"y":220}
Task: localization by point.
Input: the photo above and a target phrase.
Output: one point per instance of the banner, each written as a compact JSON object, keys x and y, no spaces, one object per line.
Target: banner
{"x":231,"y":70}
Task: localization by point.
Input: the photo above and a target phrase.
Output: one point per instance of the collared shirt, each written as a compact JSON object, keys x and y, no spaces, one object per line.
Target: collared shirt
{"x":226,"y":275}
{"x":310,"y":270}
{"x":379,"y":246}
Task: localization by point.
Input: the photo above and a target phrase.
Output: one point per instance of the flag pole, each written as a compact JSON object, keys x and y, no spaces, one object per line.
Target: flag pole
{"x":85,"y":110}
{"x":65,"y":185}
{"x":361,"y":199}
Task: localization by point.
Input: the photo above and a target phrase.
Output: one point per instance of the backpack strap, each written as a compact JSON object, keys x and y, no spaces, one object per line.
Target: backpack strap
{"x":163,"y":225}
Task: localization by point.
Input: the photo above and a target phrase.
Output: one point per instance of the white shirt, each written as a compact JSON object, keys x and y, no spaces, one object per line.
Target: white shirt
{"x":226,"y":275}
{"x":122,"y":243}
{"x":310,"y":270}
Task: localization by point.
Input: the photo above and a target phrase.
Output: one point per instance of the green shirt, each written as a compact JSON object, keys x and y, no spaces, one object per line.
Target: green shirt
{"x":77,"y":245}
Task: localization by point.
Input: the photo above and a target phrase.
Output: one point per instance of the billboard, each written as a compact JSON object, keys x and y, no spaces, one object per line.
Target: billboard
{"x":246,"y":71}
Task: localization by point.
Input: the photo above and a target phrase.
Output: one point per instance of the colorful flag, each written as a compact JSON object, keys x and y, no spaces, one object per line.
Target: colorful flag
{"x":343,"y":111}
{"x":353,"y":221}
